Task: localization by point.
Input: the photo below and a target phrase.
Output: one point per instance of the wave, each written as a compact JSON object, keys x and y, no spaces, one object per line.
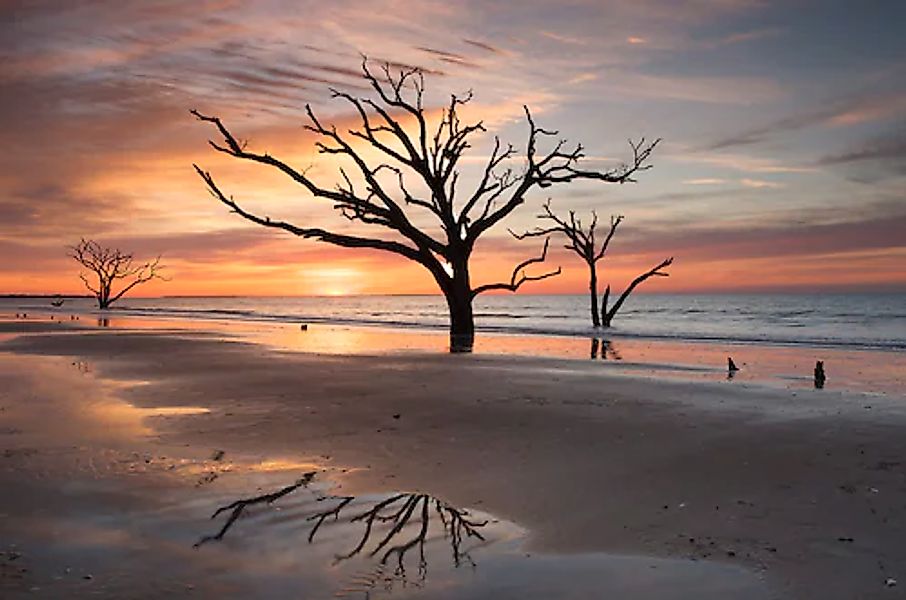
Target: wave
{"x":860,"y":322}
{"x":396,"y":319}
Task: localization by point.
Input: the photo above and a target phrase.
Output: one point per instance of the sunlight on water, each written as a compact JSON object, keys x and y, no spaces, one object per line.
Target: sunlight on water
{"x":848,"y":320}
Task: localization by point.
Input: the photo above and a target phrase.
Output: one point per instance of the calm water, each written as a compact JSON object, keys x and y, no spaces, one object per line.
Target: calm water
{"x":875,"y":321}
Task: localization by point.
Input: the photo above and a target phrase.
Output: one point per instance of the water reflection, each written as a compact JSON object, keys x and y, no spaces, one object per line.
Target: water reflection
{"x":605,"y":348}
{"x":392,"y":530}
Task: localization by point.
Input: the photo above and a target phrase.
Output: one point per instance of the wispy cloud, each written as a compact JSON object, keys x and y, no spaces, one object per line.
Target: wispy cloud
{"x":739,"y":162}
{"x":891,"y":147}
{"x":761,"y":184}
{"x":705,"y":181}
{"x":749,"y":36}
{"x":852,"y":112}
{"x":94,"y":113}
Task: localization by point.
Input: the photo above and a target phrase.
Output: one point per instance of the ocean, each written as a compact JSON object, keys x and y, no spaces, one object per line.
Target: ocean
{"x":858,"y":321}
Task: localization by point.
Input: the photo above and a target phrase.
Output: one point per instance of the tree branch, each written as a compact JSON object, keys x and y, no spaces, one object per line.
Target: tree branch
{"x":655,"y":272}
{"x":559,"y":165}
{"x":519,"y":277}
{"x":347,"y":241}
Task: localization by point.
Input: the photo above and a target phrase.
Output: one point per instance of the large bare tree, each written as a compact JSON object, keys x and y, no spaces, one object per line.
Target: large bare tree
{"x":109,"y":267}
{"x":418,"y":176}
{"x":581,"y":240}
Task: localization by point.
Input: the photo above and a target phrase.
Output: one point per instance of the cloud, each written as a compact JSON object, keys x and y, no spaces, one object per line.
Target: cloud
{"x":879,"y":228}
{"x":747,"y":182}
{"x":760,"y":184}
{"x":738,"y":162}
{"x":484,"y":46}
{"x":887,"y":150}
{"x":851,"y":112}
{"x":99,"y":142}
{"x":583,"y":78}
{"x":748,"y":36}
{"x":705,"y":181}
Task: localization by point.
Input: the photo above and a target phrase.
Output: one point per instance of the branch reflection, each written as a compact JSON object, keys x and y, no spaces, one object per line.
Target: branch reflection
{"x":390,"y":528}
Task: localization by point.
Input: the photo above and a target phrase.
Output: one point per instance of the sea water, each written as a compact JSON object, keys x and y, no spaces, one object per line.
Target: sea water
{"x":864,"y":321}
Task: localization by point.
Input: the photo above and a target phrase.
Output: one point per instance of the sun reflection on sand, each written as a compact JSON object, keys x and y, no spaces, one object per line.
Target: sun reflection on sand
{"x":786,"y":366}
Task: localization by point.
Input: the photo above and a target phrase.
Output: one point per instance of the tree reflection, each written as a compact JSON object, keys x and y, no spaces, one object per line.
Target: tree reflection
{"x":605,"y":349}
{"x":391,"y":527}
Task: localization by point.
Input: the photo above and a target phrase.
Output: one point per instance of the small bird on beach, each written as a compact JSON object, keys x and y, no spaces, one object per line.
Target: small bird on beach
{"x":820,"y":377}
{"x":731,"y":366}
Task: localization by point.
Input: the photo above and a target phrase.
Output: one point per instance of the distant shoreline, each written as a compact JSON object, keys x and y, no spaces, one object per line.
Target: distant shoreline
{"x":43,"y":296}
{"x":693,"y":293}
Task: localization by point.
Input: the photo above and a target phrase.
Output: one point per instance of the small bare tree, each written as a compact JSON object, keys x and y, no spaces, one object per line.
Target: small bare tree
{"x":421,"y":178}
{"x":581,"y":240}
{"x":109,"y":265}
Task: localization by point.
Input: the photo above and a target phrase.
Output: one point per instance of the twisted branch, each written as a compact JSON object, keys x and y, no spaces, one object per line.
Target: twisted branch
{"x":519,"y":276}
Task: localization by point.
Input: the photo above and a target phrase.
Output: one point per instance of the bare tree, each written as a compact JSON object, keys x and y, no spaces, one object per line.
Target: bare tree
{"x":110,"y":265}
{"x":421,"y":178}
{"x":581,"y":240}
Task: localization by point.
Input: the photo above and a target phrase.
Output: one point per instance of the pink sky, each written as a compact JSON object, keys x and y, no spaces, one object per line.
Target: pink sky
{"x":782,"y":166}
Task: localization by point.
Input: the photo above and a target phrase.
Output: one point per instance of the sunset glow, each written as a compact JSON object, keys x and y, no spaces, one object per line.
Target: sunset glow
{"x":781,"y":167}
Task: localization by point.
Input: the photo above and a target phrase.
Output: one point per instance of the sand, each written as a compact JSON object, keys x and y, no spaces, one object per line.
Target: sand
{"x":716,"y":487}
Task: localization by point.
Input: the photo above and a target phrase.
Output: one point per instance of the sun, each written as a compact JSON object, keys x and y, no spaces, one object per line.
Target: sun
{"x":334,"y":281}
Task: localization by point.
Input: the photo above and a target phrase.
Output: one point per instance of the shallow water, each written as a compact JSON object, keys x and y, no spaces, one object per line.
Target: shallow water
{"x":847,"y":321}
{"x":268,"y":555}
{"x":102,"y":507}
{"x":786,"y":366}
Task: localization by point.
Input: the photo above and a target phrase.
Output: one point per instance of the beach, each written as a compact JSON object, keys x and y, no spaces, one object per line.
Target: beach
{"x":120,"y":442}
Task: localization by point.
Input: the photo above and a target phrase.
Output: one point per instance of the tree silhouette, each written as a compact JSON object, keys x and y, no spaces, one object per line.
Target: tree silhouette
{"x":110,"y":265}
{"x":417,"y":178}
{"x":581,"y":240}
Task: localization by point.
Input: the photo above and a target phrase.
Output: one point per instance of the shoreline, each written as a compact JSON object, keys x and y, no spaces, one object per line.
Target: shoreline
{"x":864,"y":371}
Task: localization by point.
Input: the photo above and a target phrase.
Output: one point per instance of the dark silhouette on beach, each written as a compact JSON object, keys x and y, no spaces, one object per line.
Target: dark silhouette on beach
{"x":820,"y":376}
{"x":420,"y":178}
{"x":109,"y":266}
{"x":581,"y":240}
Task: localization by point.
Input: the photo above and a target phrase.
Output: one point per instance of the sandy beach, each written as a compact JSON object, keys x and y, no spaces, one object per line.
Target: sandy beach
{"x":119,"y":444}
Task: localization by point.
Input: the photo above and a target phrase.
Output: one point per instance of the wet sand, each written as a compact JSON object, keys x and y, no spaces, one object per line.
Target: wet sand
{"x":600,"y":483}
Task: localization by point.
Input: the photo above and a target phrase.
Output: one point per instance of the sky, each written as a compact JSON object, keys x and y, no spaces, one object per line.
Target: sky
{"x":782,"y":166}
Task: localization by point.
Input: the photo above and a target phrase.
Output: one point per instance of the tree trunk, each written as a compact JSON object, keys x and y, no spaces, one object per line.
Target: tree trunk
{"x":593,"y":292}
{"x":462,"y":325}
{"x":459,"y":300}
{"x":104,"y":296}
{"x":606,"y":315}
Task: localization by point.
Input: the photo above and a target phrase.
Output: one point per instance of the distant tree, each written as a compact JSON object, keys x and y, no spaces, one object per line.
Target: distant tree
{"x":581,"y":240}
{"x":420,"y":178}
{"x":109,"y":266}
